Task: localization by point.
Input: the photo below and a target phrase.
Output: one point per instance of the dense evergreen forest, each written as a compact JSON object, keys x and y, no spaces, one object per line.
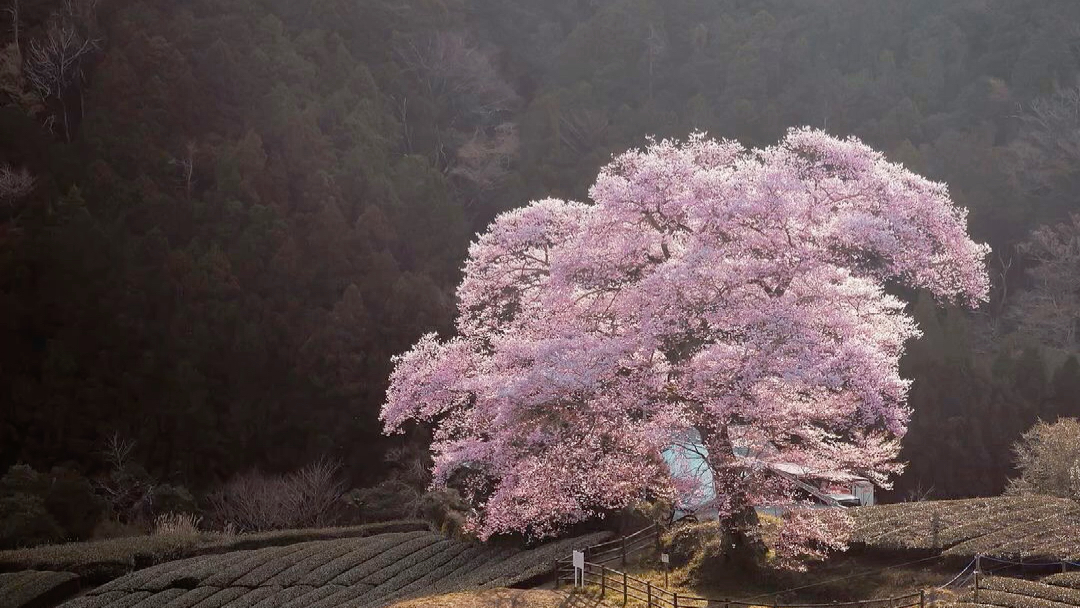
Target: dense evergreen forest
{"x":241,"y":209}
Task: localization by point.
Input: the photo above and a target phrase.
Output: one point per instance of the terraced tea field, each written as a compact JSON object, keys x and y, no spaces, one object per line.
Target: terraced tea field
{"x":1057,"y":591}
{"x":370,"y":571}
{"x":1009,"y":527}
{"x":34,"y":587}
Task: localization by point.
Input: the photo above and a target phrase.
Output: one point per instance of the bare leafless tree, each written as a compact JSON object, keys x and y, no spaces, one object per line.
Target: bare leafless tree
{"x":55,"y":62}
{"x":476,"y":142}
{"x":117,"y":451}
{"x":1046,"y":153}
{"x":582,"y":129}
{"x":655,"y":45}
{"x":127,"y":489}
{"x":1050,"y":310}
{"x":255,"y":502}
{"x":15,"y":184}
{"x":13,"y":11}
{"x":186,"y":164}
{"x":81,"y":12}
{"x":451,"y":66}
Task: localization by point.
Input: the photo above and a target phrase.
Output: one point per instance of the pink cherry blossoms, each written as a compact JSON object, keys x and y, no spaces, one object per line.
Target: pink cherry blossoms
{"x":738,"y":293}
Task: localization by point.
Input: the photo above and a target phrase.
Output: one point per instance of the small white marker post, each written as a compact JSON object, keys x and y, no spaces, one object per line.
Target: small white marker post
{"x":666,"y":560}
{"x":579,"y":568}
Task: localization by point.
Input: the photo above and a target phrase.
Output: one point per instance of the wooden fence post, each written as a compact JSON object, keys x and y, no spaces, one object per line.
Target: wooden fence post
{"x":603,"y":581}
{"x":624,"y":588}
{"x":624,"y":551}
{"x":922,"y":598}
{"x":976,"y":598}
{"x":648,"y":593}
{"x":675,"y":602}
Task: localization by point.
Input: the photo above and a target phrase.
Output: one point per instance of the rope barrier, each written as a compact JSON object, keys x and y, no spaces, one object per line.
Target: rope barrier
{"x":972,"y":563}
{"x":844,"y":578}
{"x":1016,"y":563}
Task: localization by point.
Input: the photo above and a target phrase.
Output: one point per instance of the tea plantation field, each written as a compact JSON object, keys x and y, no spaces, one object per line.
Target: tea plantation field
{"x":371,"y":571}
{"x":1057,"y":591}
{"x":1007,"y":527}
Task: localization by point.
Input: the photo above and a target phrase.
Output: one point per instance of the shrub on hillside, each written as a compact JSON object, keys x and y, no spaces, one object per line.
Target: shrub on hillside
{"x":25,"y":522}
{"x":394,"y":499}
{"x":46,"y":507}
{"x":168,"y":498}
{"x":389,"y":500}
{"x":1048,"y":458}
{"x":71,"y":500}
{"x":692,"y":542}
{"x":446,"y":510}
{"x":254,"y":502}
{"x":701,"y":546}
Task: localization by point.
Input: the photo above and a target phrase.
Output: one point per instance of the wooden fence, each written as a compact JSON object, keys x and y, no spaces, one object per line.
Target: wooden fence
{"x":620,"y":549}
{"x":621,"y":586}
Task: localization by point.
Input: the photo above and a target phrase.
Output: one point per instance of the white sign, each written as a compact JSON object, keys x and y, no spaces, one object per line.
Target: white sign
{"x":663,"y":558}
{"x":579,"y":569}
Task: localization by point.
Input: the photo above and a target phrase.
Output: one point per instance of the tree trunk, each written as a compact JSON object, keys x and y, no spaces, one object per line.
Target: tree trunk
{"x":15,"y":23}
{"x":63,"y":109}
{"x":737,"y":518}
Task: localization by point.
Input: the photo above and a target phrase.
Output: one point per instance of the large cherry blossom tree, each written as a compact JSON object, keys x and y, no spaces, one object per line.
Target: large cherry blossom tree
{"x":739,"y":294}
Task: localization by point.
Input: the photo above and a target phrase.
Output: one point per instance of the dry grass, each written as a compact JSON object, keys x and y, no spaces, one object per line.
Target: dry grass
{"x":491,"y":598}
{"x":177,"y":523}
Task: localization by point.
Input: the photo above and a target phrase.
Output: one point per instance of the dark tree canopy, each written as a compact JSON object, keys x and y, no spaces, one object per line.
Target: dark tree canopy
{"x":240,"y":210}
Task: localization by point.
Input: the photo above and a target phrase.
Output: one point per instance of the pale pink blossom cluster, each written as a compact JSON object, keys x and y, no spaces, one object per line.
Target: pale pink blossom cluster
{"x":739,"y":293}
{"x":809,"y":534}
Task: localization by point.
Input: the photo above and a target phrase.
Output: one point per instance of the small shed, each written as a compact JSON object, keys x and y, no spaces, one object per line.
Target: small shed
{"x":686,"y":458}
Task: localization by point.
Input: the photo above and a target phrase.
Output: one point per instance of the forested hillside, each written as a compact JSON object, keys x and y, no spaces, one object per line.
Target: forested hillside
{"x":241,"y":209}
